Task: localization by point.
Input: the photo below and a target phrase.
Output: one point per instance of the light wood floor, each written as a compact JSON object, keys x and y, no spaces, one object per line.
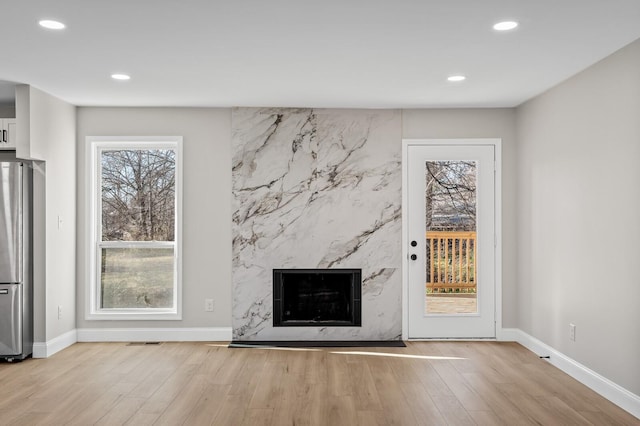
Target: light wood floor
{"x":427,"y":383}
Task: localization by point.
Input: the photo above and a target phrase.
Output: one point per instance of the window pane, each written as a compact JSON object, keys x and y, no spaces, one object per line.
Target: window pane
{"x":137,"y":278}
{"x":138,"y":195}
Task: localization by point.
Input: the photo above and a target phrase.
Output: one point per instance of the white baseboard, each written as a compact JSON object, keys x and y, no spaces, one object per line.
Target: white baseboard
{"x":50,"y":347}
{"x":605,"y":387}
{"x":199,"y":334}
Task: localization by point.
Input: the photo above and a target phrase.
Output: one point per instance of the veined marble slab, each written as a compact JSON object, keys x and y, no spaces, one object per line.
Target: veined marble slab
{"x":316,"y":188}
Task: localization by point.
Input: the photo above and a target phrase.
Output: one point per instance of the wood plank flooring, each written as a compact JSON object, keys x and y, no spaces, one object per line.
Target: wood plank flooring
{"x":426,"y":383}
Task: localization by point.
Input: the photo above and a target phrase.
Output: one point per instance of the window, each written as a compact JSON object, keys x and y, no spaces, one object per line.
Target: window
{"x":135,"y":228}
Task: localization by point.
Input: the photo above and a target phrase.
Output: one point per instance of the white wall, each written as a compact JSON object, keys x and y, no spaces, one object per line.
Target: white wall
{"x":46,"y":133}
{"x":206,"y":136}
{"x":207,"y":202}
{"x":579,"y":217}
{"x":481,"y":123}
{"x":7,"y":112}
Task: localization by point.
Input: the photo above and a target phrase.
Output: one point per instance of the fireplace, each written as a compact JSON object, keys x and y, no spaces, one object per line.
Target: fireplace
{"x":317,"y":297}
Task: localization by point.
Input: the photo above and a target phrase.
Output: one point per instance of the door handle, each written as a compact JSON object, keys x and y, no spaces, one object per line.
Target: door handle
{"x":4,"y":291}
{"x":414,"y":257}
{"x":4,"y":136}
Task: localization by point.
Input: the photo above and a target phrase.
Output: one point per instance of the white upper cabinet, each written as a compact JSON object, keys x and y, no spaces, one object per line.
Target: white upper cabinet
{"x":8,"y":133}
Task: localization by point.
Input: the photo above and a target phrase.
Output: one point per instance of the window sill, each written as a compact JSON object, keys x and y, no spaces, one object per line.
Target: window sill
{"x":133,"y":316}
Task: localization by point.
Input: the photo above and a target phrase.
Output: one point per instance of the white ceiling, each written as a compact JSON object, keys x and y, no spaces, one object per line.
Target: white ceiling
{"x":320,"y":53}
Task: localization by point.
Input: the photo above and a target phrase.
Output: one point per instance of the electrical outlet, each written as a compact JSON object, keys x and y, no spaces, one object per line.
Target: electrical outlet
{"x":60,"y":222}
{"x":208,"y":305}
{"x":572,"y":332}
{"x":59,"y":312}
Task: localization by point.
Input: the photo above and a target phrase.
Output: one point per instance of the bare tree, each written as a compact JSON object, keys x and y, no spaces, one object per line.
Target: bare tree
{"x":138,"y":195}
{"x":451,"y":195}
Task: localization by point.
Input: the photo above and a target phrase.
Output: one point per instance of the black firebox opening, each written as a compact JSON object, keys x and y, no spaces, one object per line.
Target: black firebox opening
{"x":317,"y":297}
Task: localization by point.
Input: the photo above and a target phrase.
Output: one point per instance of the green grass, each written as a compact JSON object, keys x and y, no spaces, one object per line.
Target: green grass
{"x":137,"y":278}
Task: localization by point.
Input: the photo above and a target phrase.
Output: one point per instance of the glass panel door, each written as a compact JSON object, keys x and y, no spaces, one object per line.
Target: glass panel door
{"x":450,"y":230}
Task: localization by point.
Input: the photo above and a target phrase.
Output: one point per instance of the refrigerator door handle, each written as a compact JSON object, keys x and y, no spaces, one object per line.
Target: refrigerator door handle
{"x":4,"y":291}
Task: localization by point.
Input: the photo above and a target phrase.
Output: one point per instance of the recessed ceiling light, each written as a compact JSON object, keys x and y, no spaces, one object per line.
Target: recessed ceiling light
{"x":52,"y":25}
{"x":505,"y":25}
{"x":120,"y":77}
{"x":456,"y":78}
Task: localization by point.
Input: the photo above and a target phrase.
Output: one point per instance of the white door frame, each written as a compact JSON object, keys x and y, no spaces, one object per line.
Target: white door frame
{"x":497,"y":144}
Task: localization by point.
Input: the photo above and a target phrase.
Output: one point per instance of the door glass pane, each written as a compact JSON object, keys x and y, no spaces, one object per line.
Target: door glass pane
{"x":133,"y":278}
{"x":450,"y":198}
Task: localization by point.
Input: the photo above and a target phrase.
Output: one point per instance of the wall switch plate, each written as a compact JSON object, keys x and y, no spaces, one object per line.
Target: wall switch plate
{"x":572,"y":332}
{"x":208,"y":305}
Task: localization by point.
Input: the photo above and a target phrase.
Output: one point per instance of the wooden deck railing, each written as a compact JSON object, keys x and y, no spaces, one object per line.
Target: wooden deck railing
{"x":451,"y":262}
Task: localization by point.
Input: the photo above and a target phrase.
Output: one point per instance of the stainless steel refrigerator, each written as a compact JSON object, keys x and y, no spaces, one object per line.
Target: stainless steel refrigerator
{"x":16,"y":294}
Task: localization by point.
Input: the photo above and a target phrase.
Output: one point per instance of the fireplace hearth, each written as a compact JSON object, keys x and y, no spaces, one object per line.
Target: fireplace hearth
{"x":317,"y":297}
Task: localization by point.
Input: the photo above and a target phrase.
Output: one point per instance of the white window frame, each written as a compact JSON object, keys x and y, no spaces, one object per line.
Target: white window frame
{"x":95,"y":146}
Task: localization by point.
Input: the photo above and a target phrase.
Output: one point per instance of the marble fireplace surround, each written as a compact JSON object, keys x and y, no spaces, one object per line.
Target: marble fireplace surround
{"x":314,"y":189}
